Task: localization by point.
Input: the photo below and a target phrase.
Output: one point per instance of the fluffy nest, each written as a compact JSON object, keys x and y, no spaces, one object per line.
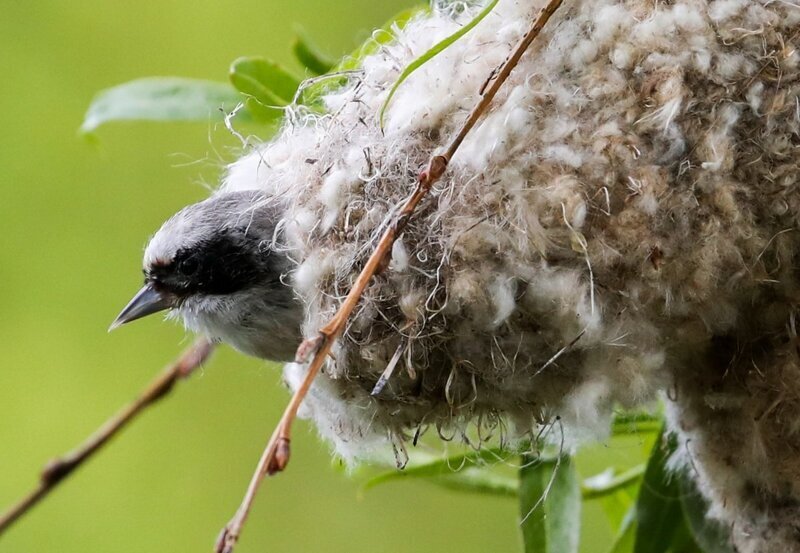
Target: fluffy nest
{"x":623,"y":221}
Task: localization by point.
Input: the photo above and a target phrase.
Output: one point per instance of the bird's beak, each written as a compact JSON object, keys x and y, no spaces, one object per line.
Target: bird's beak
{"x":146,"y":302}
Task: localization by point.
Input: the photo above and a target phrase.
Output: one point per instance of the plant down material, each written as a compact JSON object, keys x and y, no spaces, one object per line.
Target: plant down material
{"x":622,"y":222}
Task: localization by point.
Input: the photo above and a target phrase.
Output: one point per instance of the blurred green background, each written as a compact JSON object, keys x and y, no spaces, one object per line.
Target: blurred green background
{"x":75,"y":217}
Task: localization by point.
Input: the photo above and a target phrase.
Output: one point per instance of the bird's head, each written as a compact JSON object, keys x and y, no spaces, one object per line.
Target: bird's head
{"x":214,"y":264}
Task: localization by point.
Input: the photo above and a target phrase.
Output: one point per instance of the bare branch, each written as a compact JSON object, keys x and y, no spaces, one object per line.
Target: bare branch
{"x":276,"y":454}
{"x":58,"y":469}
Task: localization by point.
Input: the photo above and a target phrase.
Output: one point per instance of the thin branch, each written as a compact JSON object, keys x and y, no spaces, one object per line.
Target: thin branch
{"x":58,"y":469}
{"x":276,"y":454}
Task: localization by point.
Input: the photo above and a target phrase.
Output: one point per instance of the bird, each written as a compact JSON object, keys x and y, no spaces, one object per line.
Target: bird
{"x":215,"y":265}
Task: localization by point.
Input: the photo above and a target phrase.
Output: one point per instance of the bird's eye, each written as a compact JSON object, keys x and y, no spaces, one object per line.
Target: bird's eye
{"x":188,"y":266}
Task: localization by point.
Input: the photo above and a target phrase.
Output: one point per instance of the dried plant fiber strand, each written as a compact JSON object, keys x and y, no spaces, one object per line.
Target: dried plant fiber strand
{"x":623,"y":222}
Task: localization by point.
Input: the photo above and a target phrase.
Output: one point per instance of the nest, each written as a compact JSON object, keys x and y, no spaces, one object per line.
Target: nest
{"x":623,"y":221}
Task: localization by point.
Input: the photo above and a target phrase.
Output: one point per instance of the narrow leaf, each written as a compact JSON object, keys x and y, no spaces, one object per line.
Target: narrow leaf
{"x":442,"y":466}
{"x":379,"y":37}
{"x":626,"y":536}
{"x":607,"y":483}
{"x":336,"y":77}
{"x":309,"y":53}
{"x":550,"y":505}
{"x":161,"y":99}
{"x":682,"y":539}
{"x":261,"y":113}
{"x":433,"y":51}
{"x":479,"y":480}
{"x":636,"y":423}
{"x":618,"y":506}
{"x":658,"y":508}
{"x":710,"y":535}
{"x":264,"y":80}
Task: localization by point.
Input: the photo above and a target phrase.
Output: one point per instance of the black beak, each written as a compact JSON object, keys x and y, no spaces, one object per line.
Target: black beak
{"x":146,"y":302}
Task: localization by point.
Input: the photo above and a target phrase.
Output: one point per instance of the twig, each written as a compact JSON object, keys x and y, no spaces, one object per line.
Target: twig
{"x":58,"y":469}
{"x":276,"y":454}
{"x":387,"y":372}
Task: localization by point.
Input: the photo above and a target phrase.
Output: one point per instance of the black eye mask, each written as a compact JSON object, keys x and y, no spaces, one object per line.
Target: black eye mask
{"x":228,"y":262}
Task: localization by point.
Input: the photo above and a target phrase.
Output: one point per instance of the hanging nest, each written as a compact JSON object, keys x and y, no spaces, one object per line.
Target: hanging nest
{"x":623,"y":221}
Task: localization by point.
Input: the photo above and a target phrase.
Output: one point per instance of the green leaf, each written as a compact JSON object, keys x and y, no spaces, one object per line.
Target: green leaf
{"x":617,"y":507}
{"x":473,"y":472}
{"x":161,"y":99}
{"x":658,"y":507}
{"x":625,"y":539}
{"x":683,"y":541}
{"x":636,"y":423}
{"x":432,"y":52}
{"x":479,"y":480}
{"x":309,"y":53}
{"x":447,"y":466}
{"x":710,"y":535}
{"x":261,"y":113}
{"x":607,"y":483}
{"x":483,"y":479}
{"x":265,"y":81}
{"x":351,"y":62}
{"x":550,"y":505}
{"x":379,"y":37}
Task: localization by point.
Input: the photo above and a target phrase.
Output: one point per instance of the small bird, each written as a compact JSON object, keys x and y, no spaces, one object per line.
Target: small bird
{"x":214,"y":264}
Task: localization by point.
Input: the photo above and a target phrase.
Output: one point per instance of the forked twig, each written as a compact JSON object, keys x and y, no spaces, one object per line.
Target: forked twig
{"x":276,"y":455}
{"x":58,"y":469}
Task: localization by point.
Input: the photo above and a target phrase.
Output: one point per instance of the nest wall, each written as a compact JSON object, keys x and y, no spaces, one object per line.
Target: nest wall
{"x":621,"y":223}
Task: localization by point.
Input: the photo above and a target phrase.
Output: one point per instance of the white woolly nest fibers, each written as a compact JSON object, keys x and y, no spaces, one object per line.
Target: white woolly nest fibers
{"x":622,"y":221}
